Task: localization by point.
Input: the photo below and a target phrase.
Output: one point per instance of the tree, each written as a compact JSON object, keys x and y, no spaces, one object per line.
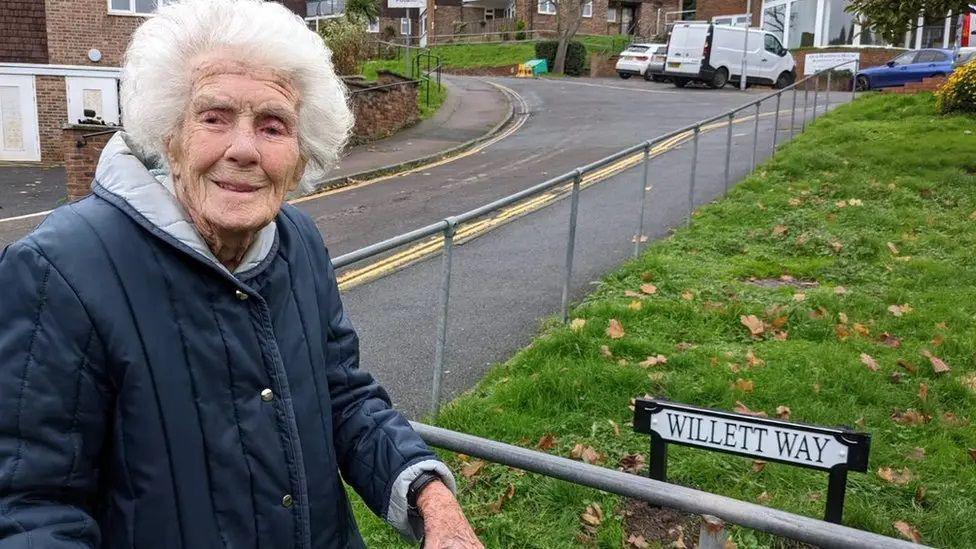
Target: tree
{"x":363,"y":10}
{"x":891,"y":18}
{"x":569,"y":15}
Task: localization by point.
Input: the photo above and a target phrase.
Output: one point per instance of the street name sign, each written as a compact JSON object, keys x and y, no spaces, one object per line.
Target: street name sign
{"x":835,"y":450}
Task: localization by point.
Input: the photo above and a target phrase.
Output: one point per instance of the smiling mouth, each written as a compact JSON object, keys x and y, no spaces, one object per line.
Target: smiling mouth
{"x":236,"y":187}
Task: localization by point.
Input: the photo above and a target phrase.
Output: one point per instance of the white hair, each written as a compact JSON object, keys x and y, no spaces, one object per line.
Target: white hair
{"x":157,"y":80}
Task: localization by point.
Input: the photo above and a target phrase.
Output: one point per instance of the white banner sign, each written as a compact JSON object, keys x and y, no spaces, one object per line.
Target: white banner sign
{"x":814,"y":62}
{"x":421,"y":4}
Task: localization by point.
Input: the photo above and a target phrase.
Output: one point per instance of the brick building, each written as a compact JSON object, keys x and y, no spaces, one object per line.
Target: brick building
{"x":59,"y":58}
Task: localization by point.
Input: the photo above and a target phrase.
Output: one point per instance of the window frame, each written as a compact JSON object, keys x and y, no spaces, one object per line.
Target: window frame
{"x":409,"y":26}
{"x":373,"y":26}
{"x":583,"y":8}
{"x":131,"y":12}
{"x":612,"y":10}
{"x":546,"y":11}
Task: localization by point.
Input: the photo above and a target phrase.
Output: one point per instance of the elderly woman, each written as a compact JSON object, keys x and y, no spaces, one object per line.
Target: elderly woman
{"x":176,"y":369}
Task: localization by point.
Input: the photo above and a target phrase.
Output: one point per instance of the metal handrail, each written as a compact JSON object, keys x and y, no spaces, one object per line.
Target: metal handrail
{"x":690,"y":500}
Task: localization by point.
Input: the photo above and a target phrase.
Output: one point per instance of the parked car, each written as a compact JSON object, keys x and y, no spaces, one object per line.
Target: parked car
{"x":911,"y":66}
{"x":644,"y":60}
{"x":712,"y":54}
{"x":963,"y":56}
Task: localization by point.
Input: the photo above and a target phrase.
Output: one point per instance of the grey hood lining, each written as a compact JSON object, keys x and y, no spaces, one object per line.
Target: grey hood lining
{"x":151,"y":194}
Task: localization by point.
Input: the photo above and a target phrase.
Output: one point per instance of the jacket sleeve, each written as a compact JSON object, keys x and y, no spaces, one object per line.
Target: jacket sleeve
{"x":379,"y":453}
{"x":52,"y":407}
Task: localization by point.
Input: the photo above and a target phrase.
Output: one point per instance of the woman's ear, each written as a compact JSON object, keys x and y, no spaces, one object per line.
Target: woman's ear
{"x":299,"y":174}
{"x":171,"y":154}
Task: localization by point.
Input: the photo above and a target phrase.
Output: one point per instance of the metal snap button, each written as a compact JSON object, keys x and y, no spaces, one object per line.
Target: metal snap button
{"x":267,"y":395}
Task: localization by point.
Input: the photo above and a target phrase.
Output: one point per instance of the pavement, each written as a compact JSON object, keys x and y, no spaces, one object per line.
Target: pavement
{"x":509,"y":279}
{"x":25,"y":189}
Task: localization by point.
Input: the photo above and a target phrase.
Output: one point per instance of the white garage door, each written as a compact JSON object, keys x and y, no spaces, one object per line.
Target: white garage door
{"x":18,"y":119}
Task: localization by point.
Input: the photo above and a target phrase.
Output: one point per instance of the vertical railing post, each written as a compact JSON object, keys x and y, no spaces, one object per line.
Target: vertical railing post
{"x":827,"y":92}
{"x":816,"y":96}
{"x":857,"y":65}
{"x":779,"y":96}
{"x":728,"y":151}
{"x":445,"y":298}
{"x":806,"y":105}
{"x":571,"y":242}
{"x":643,"y":194}
{"x":793,"y":115}
{"x":755,"y":138}
{"x":694,"y":169}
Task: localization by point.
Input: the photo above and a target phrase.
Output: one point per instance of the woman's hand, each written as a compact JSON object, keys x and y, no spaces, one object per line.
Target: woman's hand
{"x":444,"y":524}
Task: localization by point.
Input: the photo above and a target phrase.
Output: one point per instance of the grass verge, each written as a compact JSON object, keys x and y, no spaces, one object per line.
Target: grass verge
{"x":854,"y":248}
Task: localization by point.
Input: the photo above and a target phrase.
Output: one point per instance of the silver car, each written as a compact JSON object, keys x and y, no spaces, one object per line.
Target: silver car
{"x":963,"y":56}
{"x":645,"y":60}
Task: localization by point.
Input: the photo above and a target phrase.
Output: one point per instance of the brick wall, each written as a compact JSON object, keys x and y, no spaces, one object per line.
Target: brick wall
{"x":52,"y":114}
{"x":706,"y":9}
{"x":76,"y":26}
{"x":297,"y":6}
{"x":23,"y":37}
{"x":381,"y":112}
{"x":81,"y":156}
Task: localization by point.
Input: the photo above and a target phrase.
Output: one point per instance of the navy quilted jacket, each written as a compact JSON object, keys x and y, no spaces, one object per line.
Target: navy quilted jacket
{"x":150,"y":398}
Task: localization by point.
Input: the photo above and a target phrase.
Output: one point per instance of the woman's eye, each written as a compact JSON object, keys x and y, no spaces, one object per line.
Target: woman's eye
{"x":211,"y":118}
{"x":274,"y":129}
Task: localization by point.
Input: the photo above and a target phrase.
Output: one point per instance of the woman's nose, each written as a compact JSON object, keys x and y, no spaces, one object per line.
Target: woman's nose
{"x":243,"y":147}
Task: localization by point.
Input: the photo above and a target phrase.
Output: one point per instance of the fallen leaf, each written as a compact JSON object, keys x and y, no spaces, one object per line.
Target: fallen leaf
{"x":910,"y":417}
{"x":472,"y":469}
{"x":635,"y":305}
{"x":889,"y":340}
{"x":764,"y":497}
{"x":783,"y":412}
{"x":899,"y":310}
{"x":653,"y":361}
{"x":908,"y":531}
{"x":799,"y":297}
{"x":593,"y":516}
{"x":780,"y":230}
{"x":758,"y":465}
{"x":753,"y":361}
{"x":839,"y":203}
{"x":586,"y":454}
{"x":861,"y":329}
{"x":616,"y":428}
{"x":734,"y":368}
{"x":952,"y":420}
{"x":920,"y":495}
{"x":942,"y":326}
{"x":632,"y":463}
{"x":546,"y":443}
{"x":637,"y":541}
{"x":687,"y":295}
{"x":814,"y":496}
{"x":860,"y":422}
{"x":897,"y":377}
{"x":938,"y":340}
{"x":507,"y":495}
{"x":577,"y":324}
{"x":842,"y":317}
{"x":908,"y":366}
{"x":969,"y":382}
{"x":615,"y":330}
{"x":853,"y":201}
{"x":893,"y":248}
{"x":756,"y":326}
{"x":840,"y":290}
{"x":605,"y":351}
{"x":684,"y":346}
{"x":818,"y":313}
{"x":842,"y":332}
{"x":744,"y":385}
{"x":870,"y":362}
{"x":632,"y":293}
{"x":741,"y":408}
{"x":972,"y":454}
{"x":923,"y":392}
{"x":648,"y":289}
{"x":892,"y":476}
{"x":779,"y":322}
{"x":837,"y":246}
{"x":938,"y":365}
{"x":916,"y":454}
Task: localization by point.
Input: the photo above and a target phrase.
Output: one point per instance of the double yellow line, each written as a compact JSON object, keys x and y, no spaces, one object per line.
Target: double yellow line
{"x":417,"y":252}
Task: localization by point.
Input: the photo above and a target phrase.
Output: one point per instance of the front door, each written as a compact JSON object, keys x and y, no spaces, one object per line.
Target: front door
{"x":100,"y":95}
{"x":19,"y":140}
{"x":627,"y":19}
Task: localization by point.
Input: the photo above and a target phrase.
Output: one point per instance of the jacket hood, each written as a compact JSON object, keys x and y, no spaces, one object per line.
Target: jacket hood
{"x":150,"y":193}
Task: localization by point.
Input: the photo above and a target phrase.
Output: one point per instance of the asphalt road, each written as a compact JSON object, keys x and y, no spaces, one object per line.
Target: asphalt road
{"x":506,"y":281}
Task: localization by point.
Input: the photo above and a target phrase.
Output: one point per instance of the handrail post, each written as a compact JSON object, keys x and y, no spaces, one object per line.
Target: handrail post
{"x":827,"y":91}
{"x":571,"y":242}
{"x":779,"y":96}
{"x":793,"y":115}
{"x":806,"y":105}
{"x":755,"y":138}
{"x":643,"y":195}
{"x":857,"y":65}
{"x":728,"y":151}
{"x":694,"y":169}
{"x":816,"y":96}
{"x":449,"y":230}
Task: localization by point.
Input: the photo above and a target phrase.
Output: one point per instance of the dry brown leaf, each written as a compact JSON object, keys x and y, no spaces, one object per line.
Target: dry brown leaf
{"x":756,"y":326}
{"x":923,"y":392}
{"x":920,"y":495}
{"x":796,"y":201}
{"x":637,"y":541}
{"x":893,"y":248}
{"x":799,"y":297}
{"x":577,"y":324}
{"x":899,"y":310}
{"x":547,"y":442}
{"x":593,"y":516}
{"x":818,"y":313}
{"x":635,"y":305}
{"x":842,"y":317}
{"x":507,"y":495}
{"x":753,"y":361}
{"x":764,"y":497}
{"x":908,"y":531}
{"x":889,"y":340}
{"x":744,"y":385}
{"x":938,"y":365}
{"x":908,"y":366}
{"x":837,"y":246}
{"x":892,"y":476}
{"x":741,"y":408}
{"x":842,"y":332}
{"x":734,"y":368}
{"x":687,"y":295}
{"x":972,"y":454}
{"x":648,"y":289}
{"x":839,"y":203}
{"x":654,"y":361}
{"x":605,"y":351}
{"x":632,"y":293}
{"x":758,"y":465}
{"x":472,"y":468}
{"x":869,"y":361}
{"x":861,"y":329}
{"x":779,"y":322}
{"x":840,"y":290}
{"x":615,"y":330}
{"x":916,"y":454}
{"x":814,"y":496}
{"x":952,"y":420}
{"x":783,"y":412}
{"x":910,"y":417}
{"x":938,"y":340}
{"x":586,"y":454}
{"x":969,"y":382}
{"x":614,"y":426}
{"x":632,"y":463}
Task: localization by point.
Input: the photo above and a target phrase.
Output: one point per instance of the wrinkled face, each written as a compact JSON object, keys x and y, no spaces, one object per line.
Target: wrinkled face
{"x":236,"y":153}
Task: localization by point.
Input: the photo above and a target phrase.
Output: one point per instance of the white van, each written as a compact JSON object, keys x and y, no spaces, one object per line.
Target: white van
{"x":704,"y":52}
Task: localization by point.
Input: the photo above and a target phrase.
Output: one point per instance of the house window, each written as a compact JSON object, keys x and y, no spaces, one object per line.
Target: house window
{"x":838,"y":24}
{"x":135,"y":7}
{"x":612,"y":14}
{"x":405,"y":26}
{"x":588,"y":8}
{"x":373,"y":26}
{"x":547,"y":7}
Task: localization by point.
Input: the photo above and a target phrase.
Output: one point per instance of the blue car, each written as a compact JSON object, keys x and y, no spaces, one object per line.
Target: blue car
{"x":911,"y":66}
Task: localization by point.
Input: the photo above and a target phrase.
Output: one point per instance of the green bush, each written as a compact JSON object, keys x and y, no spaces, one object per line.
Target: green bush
{"x":520,"y":30}
{"x":575,"y":56}
{"x":958,"y":94}
{"x":349,"y":44}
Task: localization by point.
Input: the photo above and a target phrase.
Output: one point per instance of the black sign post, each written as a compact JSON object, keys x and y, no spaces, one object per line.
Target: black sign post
{"x":835,"y":450}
